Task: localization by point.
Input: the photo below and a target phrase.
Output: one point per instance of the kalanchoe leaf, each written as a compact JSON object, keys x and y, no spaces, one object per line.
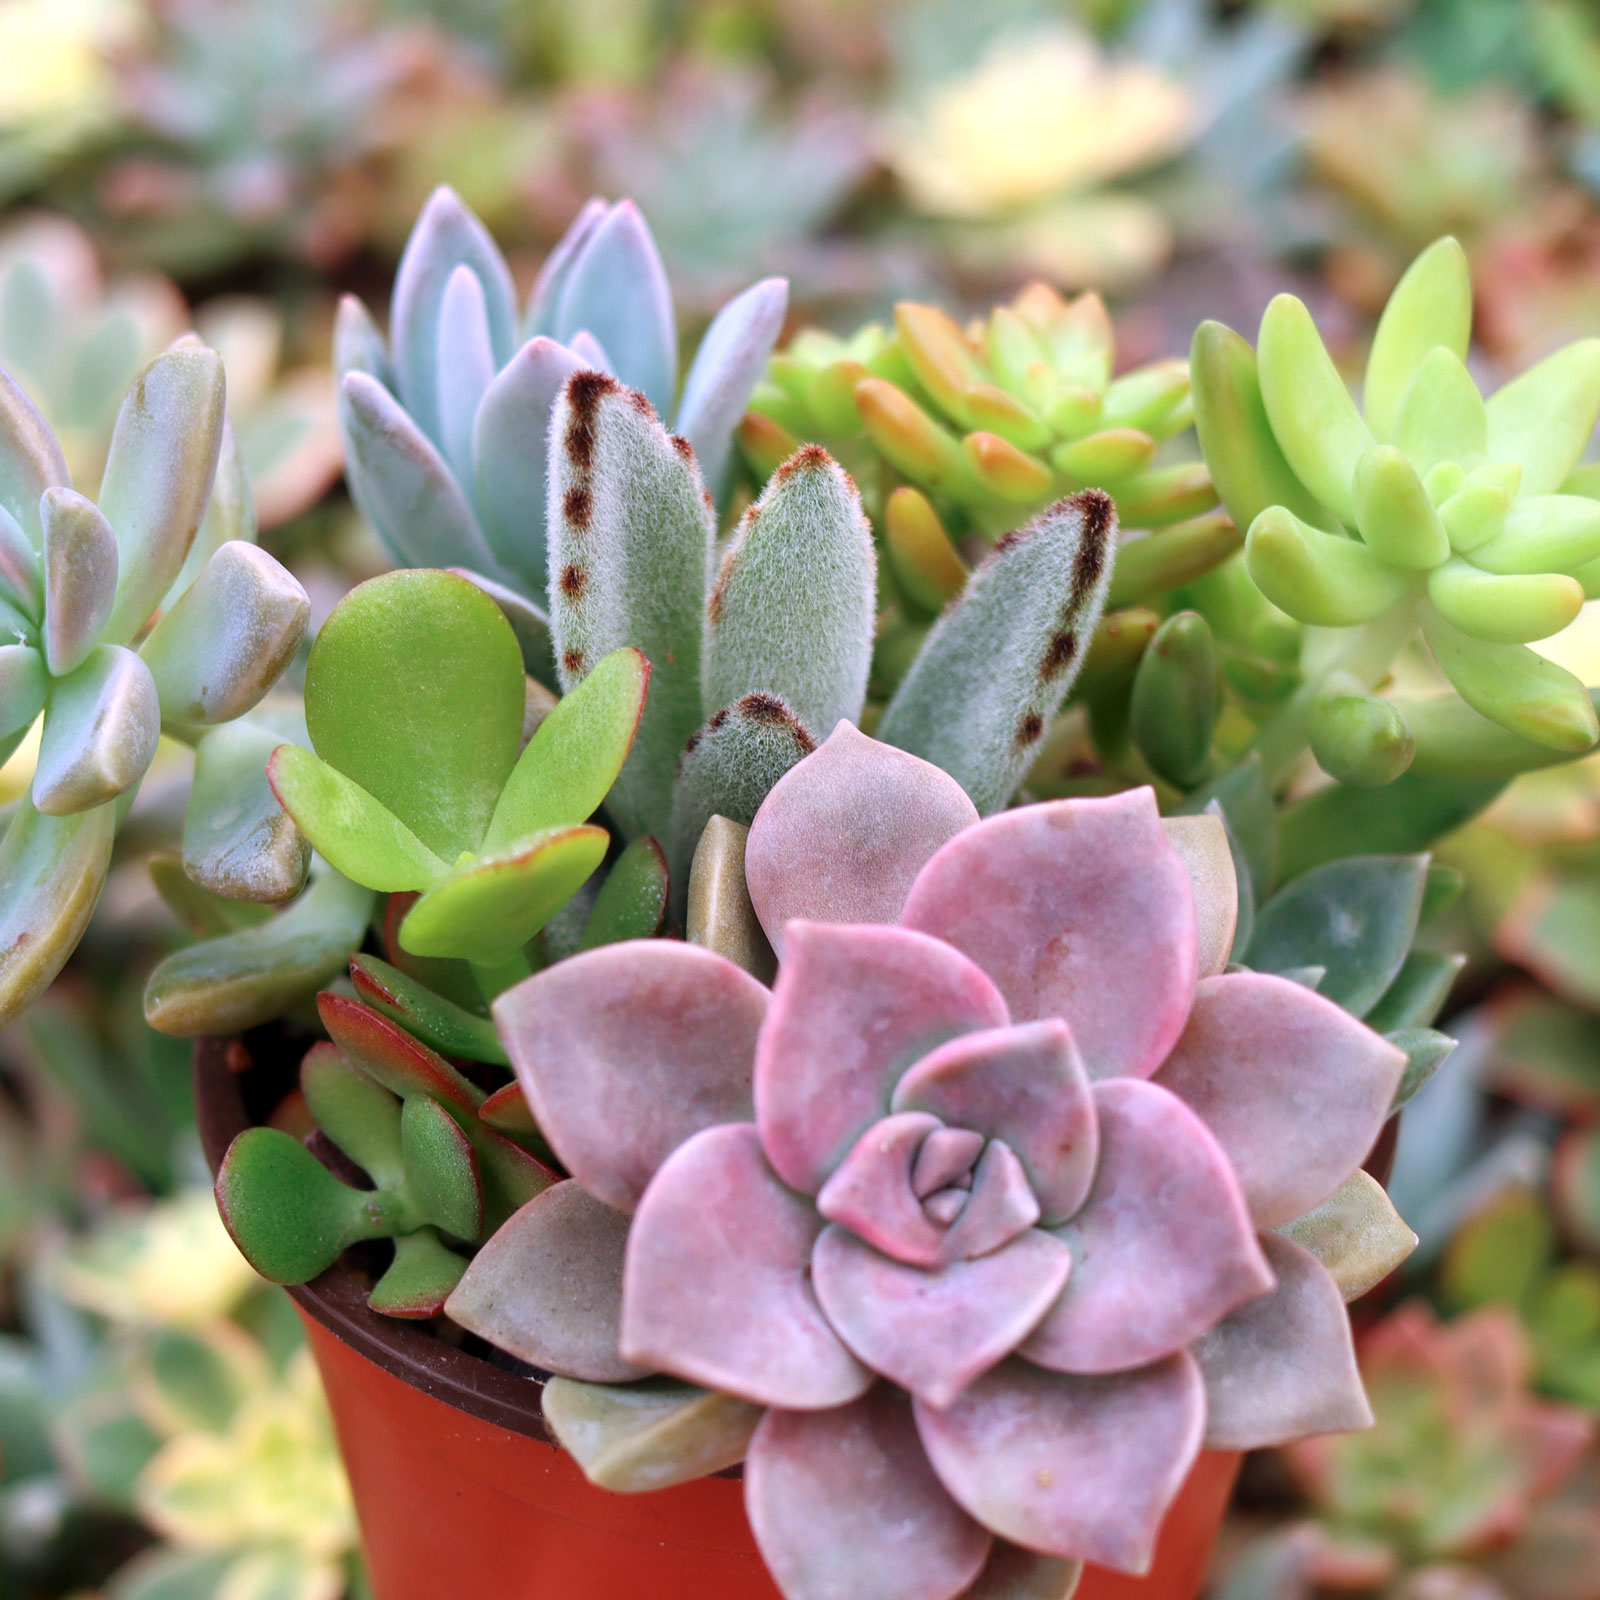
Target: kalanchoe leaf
{"x":1425,"y":1051}
{"x":1543,"y":420}
{"x":80,"y":577}
{"x":1354,"y":917}
{"x":1356,"y":1234}
{"x":1176,"y":700}
{"x":227,"y":640}
{"x":427,"y":1016}
{"x":385,"y":1051}
{"x":648,"y":1435}
{"x":419,"y":1279}
{"x":441,"y":1176}
{"x":100,"y":735}
{"x":1430,"y":306}
{"x":547,"y":1287}
{"x":979,"y":715}
{"x":30,"y":459}
{"x":223,"y":986}
{"x":511,"y":1175}
{"x":356,"y":1112}
{"x":632,"y":901}
{"x":51,"y":870}
{"x":237,"y":840}
{"x":630,"y":550}
{"x":288,"y":1214}
{"x":507,"y":1111}
{"x":1418,"y":992}
{"x":1206,"y":850}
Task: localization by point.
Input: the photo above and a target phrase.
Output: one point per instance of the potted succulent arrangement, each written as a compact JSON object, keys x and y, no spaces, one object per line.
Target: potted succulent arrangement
{"x":835,"y":997}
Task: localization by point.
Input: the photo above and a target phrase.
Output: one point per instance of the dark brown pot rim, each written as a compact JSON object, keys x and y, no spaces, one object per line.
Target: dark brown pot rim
{"x":339,"y":1302}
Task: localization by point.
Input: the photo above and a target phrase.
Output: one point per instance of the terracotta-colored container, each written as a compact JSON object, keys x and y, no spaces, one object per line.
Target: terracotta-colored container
{"x":462,"y":1496}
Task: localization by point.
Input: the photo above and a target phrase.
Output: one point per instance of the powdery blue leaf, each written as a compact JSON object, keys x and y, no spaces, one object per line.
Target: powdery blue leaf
{"x":230,"y":514}
{"x":19,"y":564}
{"x":80,"y":577}
{"x":358,"y":343}
{"x":238,"y":842}
{"x":100,"y":733}
{"x":466,"y":367}
{"x":539,"y":319}
{"x":30,"y":459}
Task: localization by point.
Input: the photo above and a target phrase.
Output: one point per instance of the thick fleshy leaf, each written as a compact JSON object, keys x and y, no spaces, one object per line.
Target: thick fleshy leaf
{"x":418,"y":1281}
{"x":1025,"y":1085}
{"x":466,"y":367}
{"x":539,"y":317}
{"x":386,"y":1052}
{"x":648,"y":1435}
{"x":1430,"y":306}
{"x":19,"y":564}
{"x":873,"y":1192}
{"x":529,"y":623}
{"x":225,"y":642}
{"x":1543,"y":419}
{"x":719,"y":914}
{"x":998,"y":664}
{"x":238,"y":841}
{"x":933,"y":1332}
{"x":80,"y":577}
{"x":158,"y":477}
{"x":625,"y":1051}
{"x":100,"y":732}
{"x":1012,"y":1573}
{"x":1080,"y":1468}
{"x":30,"y":459}
{"x":437,"y":1022}
{"x":1001,"y":1205}
{"x":730,"y":361}
{"x":842,"y":837}
{"x":792,"y":610}
{"x":1357,"y":1235}
{"x":853,"y":1008}
{"x":1207,"y":855}
{"x":1295,"y":1089}
{"x":51,"y":872}
{"x":420,"y":662}
{"x":356,"y":1112}
{"x":1418,"y":993}
{"x":844,"y":1503}
{"x":717,"y":1286}
{"x":358,"y":342}
{"x":441,"y":1174}
{"x":632,"y":901}
{"x":24,"y":684}
{"x":1158,"y":1259}
{"x":547,"y":1288}
{"x":1284,"y":1366}
{"x":1078,"y":909}
{"x":231,"y":511}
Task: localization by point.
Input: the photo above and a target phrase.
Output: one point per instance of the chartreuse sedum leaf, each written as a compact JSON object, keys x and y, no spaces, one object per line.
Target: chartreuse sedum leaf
{"x":1396,"y":518}
{"x":1318,"y":577}
{"x":1176,"y":699}
{"x":1431,"y":307}
{"x":1442,"y":418}
{"x":1544,"y":419}
{"x":1359,"y":738}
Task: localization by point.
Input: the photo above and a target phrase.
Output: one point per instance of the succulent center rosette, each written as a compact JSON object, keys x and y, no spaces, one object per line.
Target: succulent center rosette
{"x":981,"y":1201}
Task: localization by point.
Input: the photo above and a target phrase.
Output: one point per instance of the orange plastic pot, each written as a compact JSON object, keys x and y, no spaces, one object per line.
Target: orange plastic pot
{"x":461,"y":1495}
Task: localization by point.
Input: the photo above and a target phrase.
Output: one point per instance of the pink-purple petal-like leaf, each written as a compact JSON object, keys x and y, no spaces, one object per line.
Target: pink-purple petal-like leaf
{"x":1078,"y":909}
{"x":547,"y":1287}
{"x":853,"y":1007}
{"x":625,"y":1051}
{"x":1164,"y":1247}
{"x":934,"y":1332}
{"x":871,"y":1193}
{"x":1000,"y":1208}
{"x":946,"y":1155}
{"x":1283,"y":1367}
{"x":1079,"y":1468}
{"x":842,"y":835}
{"x":1025,"y":1085}
{"x":1295,"y":1089}
{"x":844,"y":1505}
{"x":716,"y":1287}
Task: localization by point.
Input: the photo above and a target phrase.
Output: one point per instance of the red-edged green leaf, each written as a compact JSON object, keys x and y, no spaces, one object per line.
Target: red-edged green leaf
{"x":355,"y":1111}
{"x":383,"y":1049}
{"x":441,"y":1174}
{"x":511,"y":1176}
{"x":447,"y":1027}
{"x":420,"y":1277}
{"x":507,"y":1110}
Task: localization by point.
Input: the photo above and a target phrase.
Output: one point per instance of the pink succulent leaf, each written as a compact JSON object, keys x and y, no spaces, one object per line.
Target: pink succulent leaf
{"x":843,"y":1504}
{"x":1295,"y":1089}
{"x":1078,"y":909}
{"x":1012,"y":1573}
{"x":946,"y":1155}
{"x":1163,"y":1247}
{"x":1001,"y":1206}
{"x":1549,"y":1440}
{"x":934,"y":1332}
{"x":1078,"y":1468}
{"x":871,"y":1192}
{"x":547,"y":1287}
{"x":852,"y":1009}
{"x":716,"y":1286}
{"x":625,"y":1051}
{"x":1283,"y":1367}
{"x":841,"y":835}
{"x":1023,"y":1084}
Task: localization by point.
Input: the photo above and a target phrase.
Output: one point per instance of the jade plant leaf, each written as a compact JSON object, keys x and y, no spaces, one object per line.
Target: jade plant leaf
{"x":419,"y":1279}
{"x":437,"y":1022}
{"x":385,"y":1051}
{"x":440,"y":1172}
{"x":633,"y":899}
{"x":355,"y":1111}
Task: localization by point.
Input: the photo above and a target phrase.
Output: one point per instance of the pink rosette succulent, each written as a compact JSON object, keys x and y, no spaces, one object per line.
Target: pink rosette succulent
{"x":979,"y":1201}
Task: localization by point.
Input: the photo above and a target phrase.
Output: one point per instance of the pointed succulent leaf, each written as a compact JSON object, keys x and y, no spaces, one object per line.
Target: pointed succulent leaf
{"x":30,"y":459}
{"x":573,"y":759}
{"x":616,"y":289}
{"x":1295,"y":1090}
{"x":844,"y":1501}
{"x":100,"y":734}
{"x":1153,"y":563}
{"x":630,"y":553}
{"x":539,"y":317}
{"x":437,"y":1022}
{"x":792,"y":610}
{"x":1283,"y":1366}
{"x":243,"y":979}
{"x":1079,"y":1468}
{"x":1176,"y":699}
{"x":466,"y":367}
{"x":290,"y":1217}
{"x":999,"y":663}
{"x":632,"y":902}
{"x":238,"y":841}
{"x":1543,"y":419}
{"x":420,"y":662}
{"x":1007,"y":892}
{"x":19,"y":564}
{"x":1442,"y":418}
{"x":51,"y":872}
{"x":356,"y":1112}
{"x":1319,"y":577}
{"x":24,"y":685}
{"x":547,"y":1287}
{"x":1430,"y":306}
{"x":1203,"y":846}
{"x":1506,"y":610}
{"x":842,"y":837}
{"x":1355,"y":917}
{"x":418,"y":1281}
{"x":356,"y":833}
{"x":230,"y":514}
{"x":625,"y":1051}
{"x":441,"y":1175}
{"x":229,"y":637}
{"x":1425,"y":1050}
{"x":1396,"y":518}
{"x":1246,"y":805}
{"x":736,"y":1314}
{"x":358,"y":343}
{"x":1544,"y":533}
{"x":1418,"y":992}
{"x":446,"y":236}
{"x":875,"y":1194}
{"x":488,"y":908}
{"x":1154,"y":1266}
{"x":648,"y":1435}
{"x":507,"y":1112}
{"x":511,"y":1174}
{"x":719,"y":913}
{"x":80,"y":577}
{"x":384,"y":1050}
{"x":1356,"y":1234}
{"x":158,"y":477}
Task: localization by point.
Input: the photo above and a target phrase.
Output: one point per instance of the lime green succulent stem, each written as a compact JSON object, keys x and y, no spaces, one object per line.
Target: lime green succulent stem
{"x":495,"y":978}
